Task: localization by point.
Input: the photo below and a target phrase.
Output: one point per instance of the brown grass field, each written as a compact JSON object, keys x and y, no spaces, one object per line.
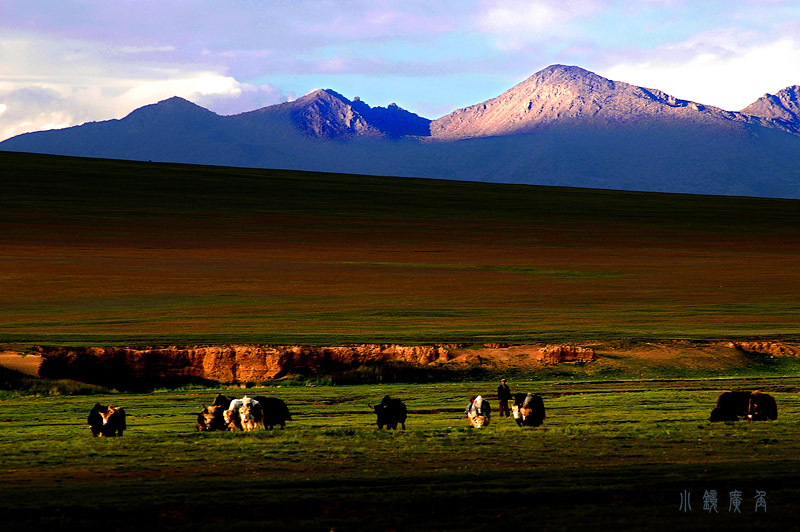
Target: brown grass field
{"x":98,"y":252}
{"x":110,"y":252}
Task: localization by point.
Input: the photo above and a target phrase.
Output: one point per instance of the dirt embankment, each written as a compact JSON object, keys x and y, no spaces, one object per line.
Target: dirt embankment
{"x":28,"y":364}
{"x":142,"y":367}
{"x":766,"y":348}
{"x":124,"y":367}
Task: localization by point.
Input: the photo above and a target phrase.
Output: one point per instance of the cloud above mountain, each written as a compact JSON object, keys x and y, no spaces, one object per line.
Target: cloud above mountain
{"x":726,"y":67}
{"x":63,"y":62}
{"x":49,"y":83}
{"x":514,"y":23}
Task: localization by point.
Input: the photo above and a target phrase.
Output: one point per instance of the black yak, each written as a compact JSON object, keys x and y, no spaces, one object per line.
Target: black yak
{"x":113,"y":421}
{"x":211,"y":418}
{"x":731,"y":406}
{"x":391,"y":412}
{"x":755,"y":406}
{"x":528,"y":410}
{"x":762,"y":407}
{"x":275,"y":411}
{"x":106,"y":421}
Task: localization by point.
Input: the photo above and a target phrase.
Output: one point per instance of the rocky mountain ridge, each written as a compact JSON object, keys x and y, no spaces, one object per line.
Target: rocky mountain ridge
{"x":563,"y":126}
{"x":325,"y":113}
{"x":782,"y":108}
{"x":570,"y":93}
{"x":558,"y":93}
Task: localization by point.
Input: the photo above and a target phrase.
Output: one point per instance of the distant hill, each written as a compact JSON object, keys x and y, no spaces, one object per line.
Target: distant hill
{"x":562,"y":126}
{"x":562,"y":93}
{"x":782,"y":108}
{"x":327,"y":114}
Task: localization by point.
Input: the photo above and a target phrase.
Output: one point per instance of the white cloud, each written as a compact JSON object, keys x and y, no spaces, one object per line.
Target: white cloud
{"x":47,"y":84}
{"x":145,"y":49}
{"x":517,"y":22}
{"x":717,"y":69}
{"x":31,"y":110}
{"x":243,"y":97}
{"x":69,"y":61}
{"x":37,"y":107}
{"x":143,"y":92}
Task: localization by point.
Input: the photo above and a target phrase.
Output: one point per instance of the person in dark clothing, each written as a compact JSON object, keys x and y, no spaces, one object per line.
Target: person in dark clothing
{"x":503,"y":396}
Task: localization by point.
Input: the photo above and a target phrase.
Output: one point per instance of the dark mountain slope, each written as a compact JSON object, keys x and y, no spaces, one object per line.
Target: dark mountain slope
{"x":327,"y":114}
{"x":173,"y":129}
{"x":563,"y":126}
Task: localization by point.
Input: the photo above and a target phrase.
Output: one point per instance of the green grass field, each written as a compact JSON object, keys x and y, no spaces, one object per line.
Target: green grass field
{"x":97,"y":252}
{"x":610,"y":455}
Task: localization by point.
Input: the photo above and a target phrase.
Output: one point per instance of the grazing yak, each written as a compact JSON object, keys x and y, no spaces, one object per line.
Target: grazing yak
{"x":249,"y":413}
{"x":221,"y":400}
{"x":528,"y":410}
{"x":275,"y":411}
{"x":106,"y":421}
{"x":113,"y":421}
{"x":232,"y":420}
{"x":731,"y":406}
{"x":211,"y":418}
{"x":762,"y":407}
{"x":390,"y":412}
{"x":719,"y":414}
{"x":755,"y":406}
{"x":95,"y":420}
{"x":479,"y":412}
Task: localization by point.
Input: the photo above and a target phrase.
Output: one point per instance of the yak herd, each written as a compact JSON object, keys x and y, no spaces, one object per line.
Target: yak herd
{"x":245,"y":414}
{"x":528,"y":410}
{"x":252,"y":413}
{"x":754,"y":406}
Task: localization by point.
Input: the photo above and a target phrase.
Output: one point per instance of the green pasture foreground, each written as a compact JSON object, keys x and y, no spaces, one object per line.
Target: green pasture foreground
{"x":611,"y":456}
{"x":99,"y":252}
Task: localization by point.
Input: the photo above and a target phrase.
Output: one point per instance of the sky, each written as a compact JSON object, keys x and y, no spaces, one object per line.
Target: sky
{"x":67,"y":62}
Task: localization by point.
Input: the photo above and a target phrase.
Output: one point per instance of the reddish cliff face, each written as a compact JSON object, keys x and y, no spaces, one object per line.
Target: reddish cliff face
{"x":127,"y":367}
{"x":123,"y":366}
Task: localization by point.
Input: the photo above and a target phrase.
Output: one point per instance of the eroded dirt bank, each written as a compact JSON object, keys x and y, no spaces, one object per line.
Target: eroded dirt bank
{"x":127,"y":366}
{"x":136,"y":367}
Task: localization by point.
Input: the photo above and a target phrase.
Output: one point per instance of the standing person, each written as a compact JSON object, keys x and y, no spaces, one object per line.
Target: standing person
{"x":503,"y":396}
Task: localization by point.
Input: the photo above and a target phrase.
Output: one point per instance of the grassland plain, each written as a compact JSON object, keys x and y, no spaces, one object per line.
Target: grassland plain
{"x":111,"y":252}
{"x":611,"y":455}
{"x":96,"y":252}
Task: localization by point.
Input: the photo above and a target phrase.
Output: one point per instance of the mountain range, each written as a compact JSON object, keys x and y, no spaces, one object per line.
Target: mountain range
{"x":562,"y":126}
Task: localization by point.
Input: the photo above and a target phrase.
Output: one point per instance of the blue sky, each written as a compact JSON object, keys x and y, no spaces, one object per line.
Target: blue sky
{"x":66,"y":62}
